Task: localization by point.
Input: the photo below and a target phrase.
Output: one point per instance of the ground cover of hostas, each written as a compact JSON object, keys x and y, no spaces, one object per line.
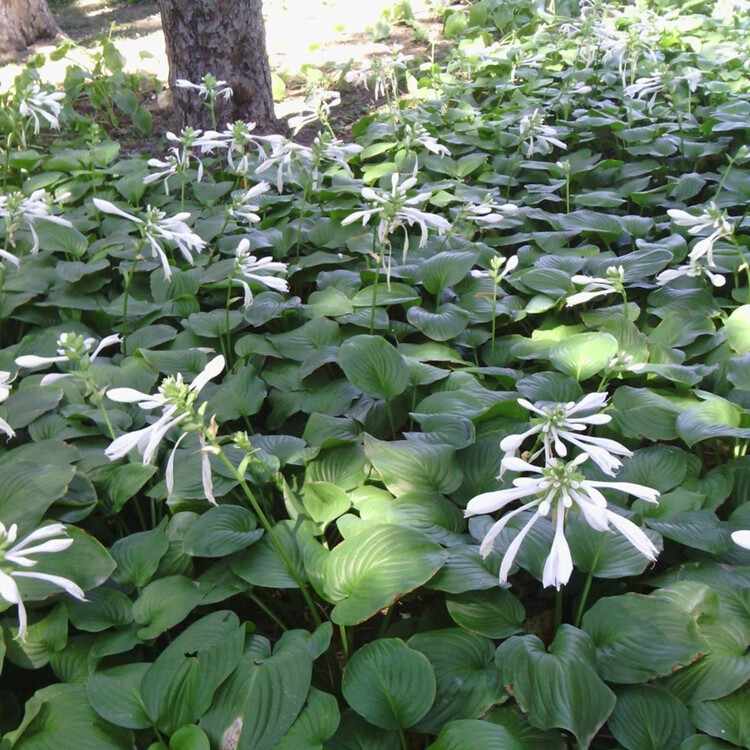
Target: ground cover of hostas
{"x":432,"y":439}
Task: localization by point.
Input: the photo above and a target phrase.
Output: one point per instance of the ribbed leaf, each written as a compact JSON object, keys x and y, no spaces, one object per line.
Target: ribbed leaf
{"x":373,"y":366}
{"x":639,"y":638}
{"x":494,"y":613}
{"x":115,"y":694}
{"x":221,"y":531}
{"x":368,"y":571}
{"x":389,"y":684}
{"x":583,"y":354}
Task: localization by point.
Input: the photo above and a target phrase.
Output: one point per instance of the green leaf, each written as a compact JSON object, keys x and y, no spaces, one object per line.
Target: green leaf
{"x":713,"y":418}
{"x":179,"y":686}
{"x":316,"y":723}
{"x":262,"y":565}
{"x":115,"y":694}
{"x":240,"y":395}
{"x":25,"y":405}
{"x":583,"y":354}
{"x":44,"y":638}
{"x":725,"y":668}
{"x":699,"y":529}
{"x":354,"y":733}
{"x":389,"y":684}
{"x":373,"y":366}
{"x":221,"y":531}
{"x":446,"y":269}
{"x":727,"y":718}
{"x":265,"y":693}
{"x":165,"y":603}
{"x":467,"y":682}
{"x":138,"y":555}
{"x":494,"y":613}
{"x":639,"y":638}
{"x":737,"y":328}
{"x":559,"y":688}
{"x":647,"y":717}
{"x":640,"y":412}
{"x":60,"y":716}
{"x":56,"y":238}
{"x":189,"y":737}
{"x":104,"y":608}
{"x":469,"y":734}
{"x":370,"y":570}
{"x":324,"y":502}
{"x":406,"y":465}
{"x":444,"y":324}
{"x":28,"y":489}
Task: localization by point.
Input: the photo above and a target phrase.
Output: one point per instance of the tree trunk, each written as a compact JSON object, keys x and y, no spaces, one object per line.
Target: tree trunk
{"x":226,"y":38}
{"x":23,"y":22}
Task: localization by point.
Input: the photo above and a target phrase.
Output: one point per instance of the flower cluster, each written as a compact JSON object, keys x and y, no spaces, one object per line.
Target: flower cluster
{"x":250,"y":267}
{"x":5,"y":385}
{"x":176,"y":399}
{"x":559,"y":487}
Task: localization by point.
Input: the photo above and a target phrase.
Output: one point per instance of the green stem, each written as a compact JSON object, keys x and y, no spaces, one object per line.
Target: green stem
{"x":558,"y":608}
{"x":375,"y":290}
{"x":402,"y":738}
{"x":126,"y":296}
{"x":267,"y":526}
{"x":344,"y":641}
{"x":584,"y":596}
{"x":256,"y":600}
{"x":389,"y":411}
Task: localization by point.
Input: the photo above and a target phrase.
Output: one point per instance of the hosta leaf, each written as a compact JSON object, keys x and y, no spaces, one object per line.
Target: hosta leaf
{"x":164,"y":603}
{"x":354,"y":733}
{"x":559,"y":688}
{"x":368,"y":571}
{"x":324,"y":502}
{"x":61,"y":716}
{"x":494,"y":613}
{"x":444,"y":324}
{"x":115,"y":694}
{"x":406,"y":466}
{"x":647,"y":717}
{"x":468,"y":684}
{"x":713,"y":418}
{"x":316,"y":723}
{"x":469,"y":734}
{"x":725,"y":668}
{"x":640,"y":412}
{"x":446,"y":269}
{"x":266,"y":692}
{"x":389,"y":684}
{"x":221,"y":531}
{"x":638,"y":638}
{"x":373,"y":366}
{"x":727,"y":718}
{"x":737,"y":328}
{"x":179,"y":686}
{"x":584,"y":354}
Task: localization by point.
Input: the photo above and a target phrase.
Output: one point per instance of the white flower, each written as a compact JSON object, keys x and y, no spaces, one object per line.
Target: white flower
{"x":70,"y":348}
{"x":209,"y":87}
{"x":252,"y":268}
{"x":45,"y":104}
{"x":558,"y":487}
{"x":558,"y":423}
{"x":490,"y":213}
{"x":395,"y":208}
{"x":20,"y":555}
{"x":712,"y":218}
{"x":5,"y":386}
{"x":242,"y":209}
{"x":317,"y":106}
{"x":175,"y":400}
{"x":742,"y":538}
{"x":594,"y":287}
{"x":155,"y":227}
{"x":538,"y":137}
{"x":693,"y":269}
{"x":282,"y":156}
{"x":17,"y":208}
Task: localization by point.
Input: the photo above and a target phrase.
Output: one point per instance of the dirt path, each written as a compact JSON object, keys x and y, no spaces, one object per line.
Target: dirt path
{"x":302,"y":37}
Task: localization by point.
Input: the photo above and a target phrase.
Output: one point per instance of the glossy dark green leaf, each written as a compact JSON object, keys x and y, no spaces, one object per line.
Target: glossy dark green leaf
{"x":373,"y":366}
{"x":220,"y":531}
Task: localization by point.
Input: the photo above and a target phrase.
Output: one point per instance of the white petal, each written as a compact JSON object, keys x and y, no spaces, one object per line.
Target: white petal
{"x":6,"y":428}
{"x":512,"y":443}
{"x":64,"y":583}
{"x":488,"y":542}
{"x":122,"y":445}
{"x":31,"y":360}
{"x":169,"y":474}
{"x":8,"y":589}
{"x":638,"y":490}
{"x":209,"y":372}
{"x":634,"y":534}
{"x":742,"y":538}
{"x":489,"y":502}
{"x":512,"y":551}
{"x":110,"y":208}
{"x":206,"y":478}
{"x":559,"y":565}
{"x":110,"y":340}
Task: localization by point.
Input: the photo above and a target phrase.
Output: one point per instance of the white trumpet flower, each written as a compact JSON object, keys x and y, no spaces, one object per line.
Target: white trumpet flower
{"x":175,"y":399}
{"x":558,"y":487}
{"x":20,"y":555}
{"x":558,"y":423}
{"x":252,"y":268}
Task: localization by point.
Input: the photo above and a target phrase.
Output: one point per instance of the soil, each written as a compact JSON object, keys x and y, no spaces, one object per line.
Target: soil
{"x":308,"y":43}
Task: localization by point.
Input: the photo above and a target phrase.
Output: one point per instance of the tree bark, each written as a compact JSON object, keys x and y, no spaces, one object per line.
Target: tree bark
{"x":226,"y":38}
{"x":23,"y":22}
